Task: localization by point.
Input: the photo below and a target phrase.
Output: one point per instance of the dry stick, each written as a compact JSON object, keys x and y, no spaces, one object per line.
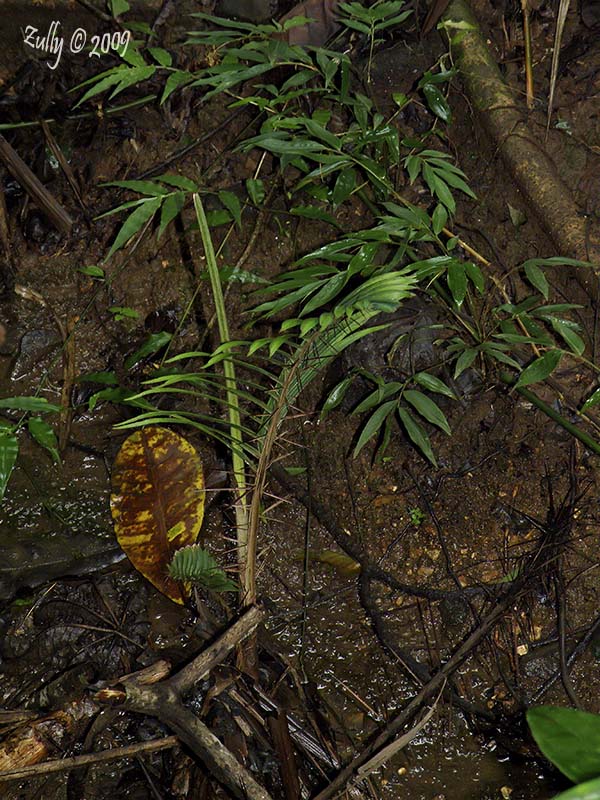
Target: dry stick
{"x":528,"y":63}
{"x":76,"y":762}
{"x":164,"y":701}
{"x":280,"y":733}
{"x":4,"y":229}
{"x":93,"y":10}
{"x":528,"y":163}
{"x":64,"y":164}
{"x":217,"y":652}
{"x":345,"y":775}
{"x":35,"y":188}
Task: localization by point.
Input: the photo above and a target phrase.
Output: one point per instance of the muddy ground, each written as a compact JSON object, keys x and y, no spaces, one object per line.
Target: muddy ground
{"x":75,"y":616}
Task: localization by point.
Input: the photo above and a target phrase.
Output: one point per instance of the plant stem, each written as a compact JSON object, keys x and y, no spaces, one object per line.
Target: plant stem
{"x":583,"y":437}
{"x":246,"y":569}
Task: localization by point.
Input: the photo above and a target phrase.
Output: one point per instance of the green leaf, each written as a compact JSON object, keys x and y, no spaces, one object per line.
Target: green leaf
{"x":539,"y":369}
{"x":256,"y":190}
{"x":123,"y":312}
{"x":9,"y":449}
{"x":374,"y":424}
{"x":457,"y":282}
{"x":113,"y":394}
{"x":193,"y":563}
{"x":416,"y":434}
{"x":111,"y":79}
{"x":232,"y":204}
{"x":569,"y":738}
{"x":494,"y":352}
{"x":174,"y":81}
{"x":558,"y":261}
{"x":93,"y":271}
{"x":169,"y":211}
{"x":154,"y":343}
{"x":45,"y":436}
{"x":437,"y":102}
{"x":336,"y":395}
{"x":592,"y":401}
{"x":326,"y":293}
{"x":161,"y":56}
{"x":118,"y":7}
{"x":536,"y":278}
{"x":179,"y":181}
{"x":132,"y":56}
{"x":143,"y":187}
{"x":344,"y":186}
{"x":590,"y":790}
{"x":439,"y":218}
{"x":319,"y":132}
{"x":464,"y":361}
{"x":28,"y":404}
{"x":429,"y":410}
{"x":312,"y":212}
{"x":475,"y":276}
{"x":566,"y":332}
{"x":135,"y":222}
{"x":452,"y":179}
{"x":433,"y":384}
{"x":133,"y":76}
{"x":218,"y":217}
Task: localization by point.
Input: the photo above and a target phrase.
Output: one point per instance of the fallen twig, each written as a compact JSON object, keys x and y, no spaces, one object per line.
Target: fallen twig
{"x":34,"y":187}
{"x":165,"y":702}
{"x":76,"y":762}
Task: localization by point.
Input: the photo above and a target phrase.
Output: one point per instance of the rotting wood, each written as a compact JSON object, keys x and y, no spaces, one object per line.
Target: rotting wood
{"x":34,"y":188}
{"x":528,"y":163}
{"x":31,"y":743}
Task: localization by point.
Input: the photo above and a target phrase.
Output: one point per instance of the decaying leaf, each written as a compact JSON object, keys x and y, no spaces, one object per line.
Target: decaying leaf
{"x":339,"y":561}
{"x":157,"y":502}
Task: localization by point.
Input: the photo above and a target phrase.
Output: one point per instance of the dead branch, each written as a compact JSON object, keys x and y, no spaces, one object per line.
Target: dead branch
{"x":35,"y":188}
{"x":76,"y":762}
{"x":165,"y":702}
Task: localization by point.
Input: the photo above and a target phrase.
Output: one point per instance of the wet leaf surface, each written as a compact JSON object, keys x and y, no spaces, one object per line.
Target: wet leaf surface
{"x":157,"y":502}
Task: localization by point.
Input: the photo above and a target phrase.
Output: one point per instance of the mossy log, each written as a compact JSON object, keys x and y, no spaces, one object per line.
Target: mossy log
{"x":531,"y":168}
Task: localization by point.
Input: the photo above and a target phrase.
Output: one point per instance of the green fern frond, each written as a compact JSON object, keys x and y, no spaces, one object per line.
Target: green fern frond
{"x":193,"y":563}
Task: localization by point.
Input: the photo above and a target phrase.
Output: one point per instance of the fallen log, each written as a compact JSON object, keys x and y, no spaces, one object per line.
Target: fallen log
{"x":529,"y":164}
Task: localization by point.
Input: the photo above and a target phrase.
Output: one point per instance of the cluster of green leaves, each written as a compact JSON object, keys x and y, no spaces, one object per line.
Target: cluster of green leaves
{"x":512,"y":329}
{"x":40,"y":430}
{"x":333,"y":160}
{"x":570,"y":739}
{"x":399,"y":400}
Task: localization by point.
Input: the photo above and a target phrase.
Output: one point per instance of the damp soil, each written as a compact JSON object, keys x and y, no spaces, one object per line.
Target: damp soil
{"x":75,"y":615}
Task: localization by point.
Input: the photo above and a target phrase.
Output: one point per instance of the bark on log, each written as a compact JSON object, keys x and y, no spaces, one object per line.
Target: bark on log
{"x":529,"y":164}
